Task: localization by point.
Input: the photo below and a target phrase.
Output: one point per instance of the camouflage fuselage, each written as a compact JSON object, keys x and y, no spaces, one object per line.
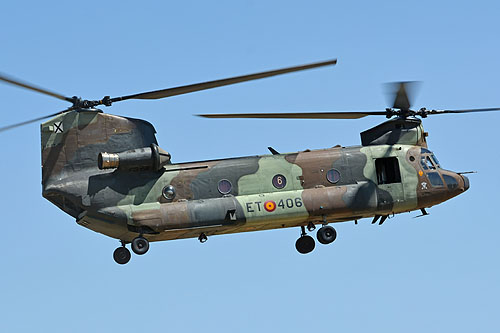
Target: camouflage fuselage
{"x":229,"y":195}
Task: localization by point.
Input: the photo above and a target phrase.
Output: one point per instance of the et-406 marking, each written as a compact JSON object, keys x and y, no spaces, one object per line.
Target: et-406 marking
{"x":270,"y":205}
{"x":279,"y":204}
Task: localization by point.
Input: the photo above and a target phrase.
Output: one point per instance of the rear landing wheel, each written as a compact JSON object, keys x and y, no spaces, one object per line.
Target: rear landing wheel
{"x":326,"y":234}
{"x":121,"y":255}
{"x":140,"y":245}
{"x":305,"y":244}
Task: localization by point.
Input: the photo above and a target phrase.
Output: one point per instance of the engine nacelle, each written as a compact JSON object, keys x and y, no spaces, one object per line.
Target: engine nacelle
{"x":147,"y":158}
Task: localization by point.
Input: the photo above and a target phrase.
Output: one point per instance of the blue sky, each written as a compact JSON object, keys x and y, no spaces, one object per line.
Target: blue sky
{"x":438,"y":273}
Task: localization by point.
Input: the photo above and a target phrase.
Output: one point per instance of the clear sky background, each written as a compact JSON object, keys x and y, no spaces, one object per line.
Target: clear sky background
{"x":434,"y":274}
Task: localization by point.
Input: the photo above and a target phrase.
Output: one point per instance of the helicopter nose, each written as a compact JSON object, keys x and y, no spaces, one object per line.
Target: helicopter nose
{"x":466,"y":182}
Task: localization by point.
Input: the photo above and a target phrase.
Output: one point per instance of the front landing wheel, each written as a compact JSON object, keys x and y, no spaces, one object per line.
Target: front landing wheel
{"x":305,"y":244}
{"x":121,"y":255}
{"x":140,"y":245}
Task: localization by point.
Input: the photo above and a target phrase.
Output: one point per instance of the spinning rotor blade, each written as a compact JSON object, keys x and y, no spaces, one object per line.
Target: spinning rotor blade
{"x":298,"y":115}
{"x":218,"y":83}
{"x":402,"y":93}
{"x":5,"y":128}
{"x":401,"y":100}
{"x":29,"y":86}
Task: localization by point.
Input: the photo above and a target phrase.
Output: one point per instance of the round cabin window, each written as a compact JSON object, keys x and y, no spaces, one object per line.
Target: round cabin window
{"x":333,"y":176}
{"x":224,"y":186}
{"x":168,"y":192}
{"x":279,"y":181}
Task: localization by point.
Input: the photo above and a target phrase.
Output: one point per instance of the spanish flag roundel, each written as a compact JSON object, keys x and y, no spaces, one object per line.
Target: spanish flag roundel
{"x":270,"y":206}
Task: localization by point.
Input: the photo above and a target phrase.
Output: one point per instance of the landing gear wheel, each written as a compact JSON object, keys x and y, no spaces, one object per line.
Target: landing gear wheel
{"x":305,"y":244}
{"x":140,"y":245}
{"x":326,"y":234}
{"x":121,"y":255}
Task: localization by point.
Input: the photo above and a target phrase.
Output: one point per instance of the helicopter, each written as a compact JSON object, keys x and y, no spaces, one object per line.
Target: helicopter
{"x":109,"y":173}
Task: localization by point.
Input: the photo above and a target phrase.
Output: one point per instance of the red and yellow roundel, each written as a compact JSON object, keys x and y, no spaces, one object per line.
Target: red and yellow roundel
{"x":270,"y":206}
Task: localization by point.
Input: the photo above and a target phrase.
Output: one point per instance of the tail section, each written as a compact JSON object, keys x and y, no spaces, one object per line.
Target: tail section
{"x":71,"y":143}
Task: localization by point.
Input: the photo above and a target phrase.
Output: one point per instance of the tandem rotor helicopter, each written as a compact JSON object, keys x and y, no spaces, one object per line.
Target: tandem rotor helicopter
{"x":109,"y":173}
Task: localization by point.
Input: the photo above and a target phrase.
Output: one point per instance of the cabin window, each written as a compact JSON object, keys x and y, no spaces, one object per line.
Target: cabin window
{"x":387,"y":170}
{"x":333,"y":176}
{"x":168,"y":192}
{"x":279,"y":181}
{"x":224,"y":186}
{"x":435,"y":179}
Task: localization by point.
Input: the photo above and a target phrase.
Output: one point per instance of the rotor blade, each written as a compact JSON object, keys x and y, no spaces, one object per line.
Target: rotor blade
{"x":402,"y":93}
{"x":29,"y":86}
{"x":462,"y":110}
{"x":401,"y":100}
{"x":6,"y":128}
{"x":298,"y":115}
{"x":219,"y":83}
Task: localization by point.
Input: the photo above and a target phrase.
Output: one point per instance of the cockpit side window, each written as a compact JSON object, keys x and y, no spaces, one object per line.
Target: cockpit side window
{"x":429,"y":160}
{"x":429,"y":163}
{"x":436,"y":162}
{"x":423,"y":164}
